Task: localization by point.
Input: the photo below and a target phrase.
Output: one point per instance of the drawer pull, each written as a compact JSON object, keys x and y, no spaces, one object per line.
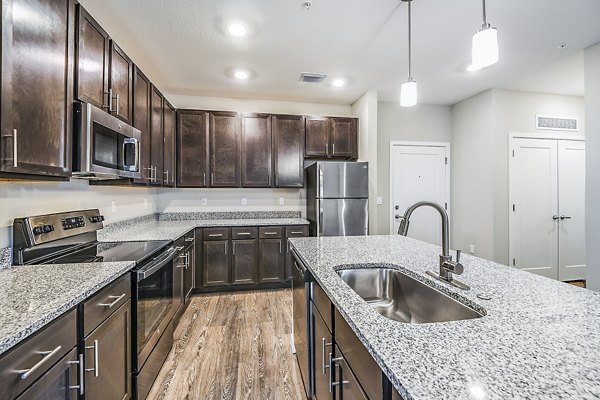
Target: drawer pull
{"x":179,"y":248}
{"x":26,"y":373}
{"x":81,"y":374}
{"x":331,"y":365}
{"x":96,"y":368}
{"x":270,"y":233}
{"x":243,"y":233}
{"x":190,"y":239}
{"x":296,"y":233}
{"x":215,"y":235}
{"x":325,"y":366}
{"x":117,"y":299}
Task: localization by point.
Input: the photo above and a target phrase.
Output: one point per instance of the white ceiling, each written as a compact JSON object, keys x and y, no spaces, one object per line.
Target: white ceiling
{"x":182,"y":46}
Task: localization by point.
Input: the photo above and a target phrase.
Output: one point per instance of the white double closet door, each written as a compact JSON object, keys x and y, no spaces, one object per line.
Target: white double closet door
{"x":548,"y":200}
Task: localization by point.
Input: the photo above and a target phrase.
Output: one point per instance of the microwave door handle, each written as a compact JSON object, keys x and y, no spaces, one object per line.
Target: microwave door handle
{"x":157,"y":264}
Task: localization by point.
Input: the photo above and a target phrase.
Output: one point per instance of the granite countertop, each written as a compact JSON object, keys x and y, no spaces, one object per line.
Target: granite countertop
{"x":172,"y":229}
{"x":34,"y":295}
{"x":539,"y":339}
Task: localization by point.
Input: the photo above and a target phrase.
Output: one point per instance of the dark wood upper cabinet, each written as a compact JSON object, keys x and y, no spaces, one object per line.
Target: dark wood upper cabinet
{"x":169,"y":144}
{"x":92,"y":63}
{"x":257,"y":146}
{"x":344,"y":137}
{"x":332,"y":137}
{"x":141,"y":120}
{"x":288,"y":150}
{"x":192,"y":148}
{"x":156,"y":133}
{"x":225,"y":155}
{"x":37,"y":88}
{"x":317,"y":136}
{"x":121,"y":76}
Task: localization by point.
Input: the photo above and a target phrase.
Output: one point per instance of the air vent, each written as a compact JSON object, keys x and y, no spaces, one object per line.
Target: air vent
{"x":557,"y":123}
{"x":311,"y":77}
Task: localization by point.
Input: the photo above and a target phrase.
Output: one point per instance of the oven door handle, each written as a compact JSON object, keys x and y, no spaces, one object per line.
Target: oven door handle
{"x":157,"y":264}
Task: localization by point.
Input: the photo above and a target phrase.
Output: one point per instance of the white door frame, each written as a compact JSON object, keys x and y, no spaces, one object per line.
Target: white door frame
{"x":393,"y":143}
{"x":511,"y":170}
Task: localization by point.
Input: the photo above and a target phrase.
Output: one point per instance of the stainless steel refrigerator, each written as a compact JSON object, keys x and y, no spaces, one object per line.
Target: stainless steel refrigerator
{"x":337,"y":197}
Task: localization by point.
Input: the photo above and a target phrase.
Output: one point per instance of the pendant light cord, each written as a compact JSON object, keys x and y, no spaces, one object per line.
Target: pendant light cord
{"x":409,"y":42}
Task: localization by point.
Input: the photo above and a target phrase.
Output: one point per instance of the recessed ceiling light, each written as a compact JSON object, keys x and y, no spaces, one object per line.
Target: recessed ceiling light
{"x":237,"y":30}
{"x":241,"y":74}
{"x":338,"y":82}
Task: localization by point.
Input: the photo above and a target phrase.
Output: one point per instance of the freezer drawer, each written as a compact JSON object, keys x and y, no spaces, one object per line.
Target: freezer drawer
{"x":342,"y":180}
{"x":342,"y":217}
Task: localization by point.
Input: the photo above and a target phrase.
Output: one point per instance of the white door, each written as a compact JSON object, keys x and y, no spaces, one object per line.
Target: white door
{"x":534,"y":189}
{"x":571,"y":204}
{"x":419,"y":173}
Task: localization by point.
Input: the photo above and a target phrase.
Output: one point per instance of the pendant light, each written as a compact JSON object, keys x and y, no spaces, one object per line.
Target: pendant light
{"x":485,"y":45}
{"x":408,"y":90}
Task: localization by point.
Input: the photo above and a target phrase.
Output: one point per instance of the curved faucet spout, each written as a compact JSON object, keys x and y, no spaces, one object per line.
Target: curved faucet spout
{"x":405,"y":222}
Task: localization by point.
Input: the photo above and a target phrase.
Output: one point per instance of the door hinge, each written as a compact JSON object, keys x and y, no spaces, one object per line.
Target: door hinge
{"x":446,"y":160}
{"x":514,"y":208}
{"x":514,"y":263}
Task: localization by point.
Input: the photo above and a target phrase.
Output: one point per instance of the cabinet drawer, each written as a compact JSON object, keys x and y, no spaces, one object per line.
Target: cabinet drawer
{"x":189,"y":238}
{"x":345,"y":382}
{"x":355,"y":354}
{"x":270,"y":232}
{"x":100,"y":306}
{"x":21,"y":366}
{"x":323,"y":305}
{"x":244,"y":233}
{"x":216,"y":233}
{"x":296,"y":231}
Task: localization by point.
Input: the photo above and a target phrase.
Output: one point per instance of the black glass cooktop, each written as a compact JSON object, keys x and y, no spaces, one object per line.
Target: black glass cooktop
{"x":111,"y":252}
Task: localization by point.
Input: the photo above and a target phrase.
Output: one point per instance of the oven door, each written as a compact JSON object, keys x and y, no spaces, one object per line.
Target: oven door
{"x":105,"y":146}
{"x":154,"y":303}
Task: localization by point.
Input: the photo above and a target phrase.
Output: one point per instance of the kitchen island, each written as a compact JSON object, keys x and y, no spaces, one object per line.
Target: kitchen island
{"x":538,"y":339}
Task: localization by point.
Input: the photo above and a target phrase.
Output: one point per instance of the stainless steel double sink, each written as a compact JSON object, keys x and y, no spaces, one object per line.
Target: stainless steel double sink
{"x":402,"y":298}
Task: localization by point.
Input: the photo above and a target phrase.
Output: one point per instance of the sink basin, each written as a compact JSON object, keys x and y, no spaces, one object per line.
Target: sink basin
{"x":399,"y":297}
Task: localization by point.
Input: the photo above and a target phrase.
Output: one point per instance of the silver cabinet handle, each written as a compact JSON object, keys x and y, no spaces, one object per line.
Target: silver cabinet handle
{"x":190,"y":239}
{"x":243,"y":233}
{"x":117,"y":299}
{"x":270,"y":233}
{"x":150,"y":168}
{"x":178,"y":248}
{"x":204,"y":178}
{"x":331,"y":382}
{"x":225,"y":248}
{"x":555,"y":217}
{"x":15,"y":148}
{"x":212,"y":178}
{"x":167,"y":173}
{"x":325,"y":366}
{"x":81,"y":374}
{"x":333,"y":149}
{"x":26,"y":373}
{"x":187,"y":259}
{"x":95,"y":368}
{"x":280,"y":246}
{"x":117,"y":107}
{"x":296,"y":233}
{"x":109,"y":106}
{"x":233,"y":252}
{"x":215,"y":235}
{"x":327,"y":148}
{"x":564,"y":217}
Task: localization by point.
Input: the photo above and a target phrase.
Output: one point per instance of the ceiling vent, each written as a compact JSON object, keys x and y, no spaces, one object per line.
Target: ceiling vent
{"x":557,"y":123}
{"x":311,"y":77}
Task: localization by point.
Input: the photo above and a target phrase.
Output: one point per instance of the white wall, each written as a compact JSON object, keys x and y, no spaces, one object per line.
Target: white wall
{"x":592,"y":197}
{"x":421,"y":123}
{"x":21,"y":198}
{"x":480,"y":131}
{"x":366,"y":109}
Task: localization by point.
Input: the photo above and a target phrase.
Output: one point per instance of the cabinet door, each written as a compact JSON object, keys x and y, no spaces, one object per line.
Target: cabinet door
{"x":121,"y":75}
{"x":346,"y":385}
{"x":108,"y":357}
{"x":157,"y":140}
{"x":344,"y":137}
{"x":317,"y":137}
{"x":225,"y":149}
{"x":169,"y":145}
{"x":215,"y":263}
{"x":290,"y":232}
{"x":256,"y":150}
{"x":59,"y":383}
{"x":198,"y":258}
{"x":244,"y":261}
{"x":322,"y":348}
{"x":92,"y":61}
{"x":192,"y":148}
{"x":188,"y":273}
{"x":288,"y":149}
{"x":37,"y":87}
{"x":141,"y":120}
{"x":271,"y":261}
{"x":179,"y":264}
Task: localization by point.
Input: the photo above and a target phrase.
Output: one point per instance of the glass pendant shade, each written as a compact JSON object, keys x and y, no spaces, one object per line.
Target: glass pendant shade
{"x":485,"y":48}
{"x":408,"y":93}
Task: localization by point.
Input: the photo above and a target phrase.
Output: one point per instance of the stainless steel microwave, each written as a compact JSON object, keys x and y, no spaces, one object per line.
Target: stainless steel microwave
{"x":104,"y":147}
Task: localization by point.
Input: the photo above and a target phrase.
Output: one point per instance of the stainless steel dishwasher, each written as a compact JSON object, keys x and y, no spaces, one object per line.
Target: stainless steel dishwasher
{"x":302,"y":332}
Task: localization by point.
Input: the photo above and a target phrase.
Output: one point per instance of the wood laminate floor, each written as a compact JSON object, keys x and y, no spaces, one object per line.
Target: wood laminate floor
{"x":233,"y":346}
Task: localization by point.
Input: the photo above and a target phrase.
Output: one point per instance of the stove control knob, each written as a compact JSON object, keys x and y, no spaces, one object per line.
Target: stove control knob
{"x":48,"y":228}
{"x":97,"y":218}
{"x":38,"y":230}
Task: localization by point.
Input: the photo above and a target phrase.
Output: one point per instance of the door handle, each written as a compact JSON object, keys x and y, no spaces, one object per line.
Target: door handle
{"x":117,"y":299}
{"x":79,"y":362}
{"x":325,"y":366}
{"x":95,"y":368}
{"x":564,"y":217}
{"x":397,"y":216}
{"x":25,"y":373}
{"x":555,"y":217}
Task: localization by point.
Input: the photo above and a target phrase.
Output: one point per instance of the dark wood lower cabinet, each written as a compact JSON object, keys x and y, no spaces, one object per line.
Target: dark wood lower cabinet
{"x":321,"y":350}
{"x":345,"y":385}
{"x":215,"y":263}
{"x":108,"y":357}
{"x":271,"y":261}
{"x":244,"y":262}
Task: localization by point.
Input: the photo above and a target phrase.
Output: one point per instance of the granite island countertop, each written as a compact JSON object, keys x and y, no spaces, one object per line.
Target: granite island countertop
{"x":539,"y":339}
{"x":32,"y":296}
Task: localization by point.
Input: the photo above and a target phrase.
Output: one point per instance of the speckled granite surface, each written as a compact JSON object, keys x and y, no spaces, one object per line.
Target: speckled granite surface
{"x":5,"y":257}
{"x":31,"y":296}
{"x":173,"y":229}
{"x":539,"y":339}
{"x":177,"y":216}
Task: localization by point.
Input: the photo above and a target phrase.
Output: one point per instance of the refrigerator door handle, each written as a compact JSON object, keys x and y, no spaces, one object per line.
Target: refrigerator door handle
{"x":320,"y":179}
{"x":320,"y":220}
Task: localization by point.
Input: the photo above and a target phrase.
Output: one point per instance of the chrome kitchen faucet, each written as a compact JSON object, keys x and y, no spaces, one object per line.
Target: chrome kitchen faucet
{"x":447,"y":265}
